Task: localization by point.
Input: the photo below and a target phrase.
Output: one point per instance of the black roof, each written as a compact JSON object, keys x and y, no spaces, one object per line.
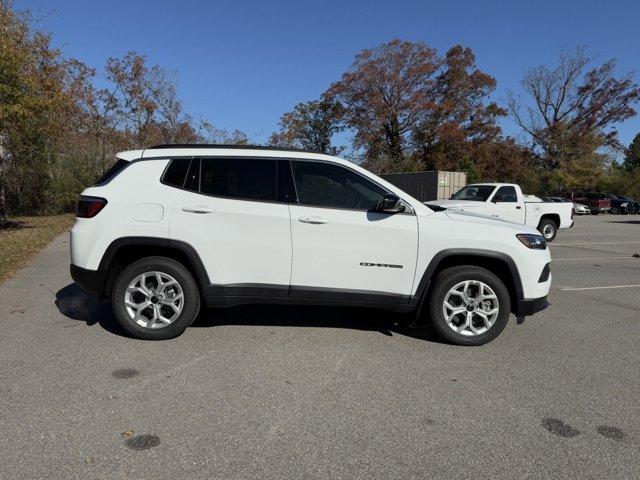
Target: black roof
{"x":237,"y":147}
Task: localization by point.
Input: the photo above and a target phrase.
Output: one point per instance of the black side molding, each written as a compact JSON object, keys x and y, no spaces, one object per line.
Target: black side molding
{"x":427,"y":277}
{"x":183,"y":247}
{"x":531,"y":306}
{"x":90,"y":281}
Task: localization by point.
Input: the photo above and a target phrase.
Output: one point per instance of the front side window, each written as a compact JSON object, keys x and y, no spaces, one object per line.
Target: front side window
{"x":242,"y":178}
{"x":506,"y":194}
{"x":325,"y":185}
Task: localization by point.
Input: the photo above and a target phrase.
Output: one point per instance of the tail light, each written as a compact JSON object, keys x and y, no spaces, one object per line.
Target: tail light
{"x":89,"y":207}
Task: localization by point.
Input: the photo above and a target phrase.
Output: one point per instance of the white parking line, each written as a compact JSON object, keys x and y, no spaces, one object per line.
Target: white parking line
{"x":573,"y":289}
{"x":590,"y":243}
{"x":588,"y":234}
{"x":590,"y":258}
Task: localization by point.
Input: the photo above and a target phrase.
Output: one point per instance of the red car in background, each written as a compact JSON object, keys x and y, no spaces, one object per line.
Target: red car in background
{"x":597,"y":202}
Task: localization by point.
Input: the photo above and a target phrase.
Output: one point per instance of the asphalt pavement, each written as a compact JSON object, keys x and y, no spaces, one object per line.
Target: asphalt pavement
{"x":277,"y":392}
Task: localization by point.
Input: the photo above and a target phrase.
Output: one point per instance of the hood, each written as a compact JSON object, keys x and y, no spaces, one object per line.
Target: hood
{"x":457,"y":204}
{"x":480,"y":219}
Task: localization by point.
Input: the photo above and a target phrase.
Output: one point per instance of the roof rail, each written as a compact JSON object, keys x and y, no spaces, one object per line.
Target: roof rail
{"x":237,"y":147}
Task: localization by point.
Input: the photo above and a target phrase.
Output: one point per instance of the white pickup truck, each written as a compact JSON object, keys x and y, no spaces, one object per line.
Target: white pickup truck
{"x":506,"y":201}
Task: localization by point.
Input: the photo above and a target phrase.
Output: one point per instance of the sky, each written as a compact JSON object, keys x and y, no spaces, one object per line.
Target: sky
{"x":242,"y":64}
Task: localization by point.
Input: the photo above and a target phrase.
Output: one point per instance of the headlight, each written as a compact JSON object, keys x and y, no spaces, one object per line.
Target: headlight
{"x":532,"y":241}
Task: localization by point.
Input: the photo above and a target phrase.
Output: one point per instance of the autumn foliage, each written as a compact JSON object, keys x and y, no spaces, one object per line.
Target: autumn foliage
{"x":400,"y":106}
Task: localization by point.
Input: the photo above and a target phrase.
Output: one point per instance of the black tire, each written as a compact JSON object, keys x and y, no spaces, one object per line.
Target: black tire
{"x":548,"y":229}
{"x":452,"y":276}
{"x":615,"y":210}
{"x":190,"y":307}
{"x":594,"y":212}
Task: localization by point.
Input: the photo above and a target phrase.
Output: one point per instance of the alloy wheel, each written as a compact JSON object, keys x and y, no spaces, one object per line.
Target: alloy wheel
{"x":154,"y":299}
{"x":470,"y":308}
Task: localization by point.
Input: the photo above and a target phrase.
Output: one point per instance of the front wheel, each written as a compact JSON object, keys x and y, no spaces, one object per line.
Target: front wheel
{"x":155,"y":298}
{"x":548,"y":229}
{"x":615,"y":210}
{"x":469,"y":305}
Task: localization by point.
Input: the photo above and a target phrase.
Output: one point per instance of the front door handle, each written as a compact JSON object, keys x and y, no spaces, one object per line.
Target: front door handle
{"x":313,"y":220}
{"x":518,"y":207}
{"x":197,"y":209}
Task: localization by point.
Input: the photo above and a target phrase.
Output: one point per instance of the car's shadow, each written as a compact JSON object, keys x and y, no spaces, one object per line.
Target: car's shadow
{"x":75,"y":304}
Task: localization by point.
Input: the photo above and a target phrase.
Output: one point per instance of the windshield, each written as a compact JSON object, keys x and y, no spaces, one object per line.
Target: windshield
{"x":475,"y":193}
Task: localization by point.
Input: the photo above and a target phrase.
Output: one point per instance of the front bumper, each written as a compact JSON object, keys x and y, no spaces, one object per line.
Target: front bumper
{"x":528,"y":307}
{"x":89,"y":280}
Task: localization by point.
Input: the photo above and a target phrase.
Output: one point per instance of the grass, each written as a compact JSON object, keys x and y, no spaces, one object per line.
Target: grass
{"x":23,"y":237}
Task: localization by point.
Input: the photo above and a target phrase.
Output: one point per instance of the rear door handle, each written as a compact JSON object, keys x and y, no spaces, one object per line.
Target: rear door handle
{"x":518,"y":207}
{"x":313,"y":220}
{"x":197,"y":209}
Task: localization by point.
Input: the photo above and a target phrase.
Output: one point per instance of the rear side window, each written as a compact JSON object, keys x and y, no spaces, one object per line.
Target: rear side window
{"x":176,"y":172}
{"x":325,"y":185}
{"x":115,"y":169}
{"x":242,"y":178}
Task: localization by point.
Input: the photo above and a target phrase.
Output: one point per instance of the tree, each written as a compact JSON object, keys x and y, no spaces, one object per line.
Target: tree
{"x":411,"y":109}
{"x":572,"y":109}
{"x":58,"y":131}
{"x":383,"y":94}
{"x":632,"y":155}
{"x":145,"y":102}
{"x":311,"y":125}
{"x":460,"y":117}
{"x":209,"y":133}
{"x":35,"y":107}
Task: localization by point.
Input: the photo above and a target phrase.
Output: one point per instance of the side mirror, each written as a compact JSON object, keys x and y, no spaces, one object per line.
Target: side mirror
{"x":390,"y":203}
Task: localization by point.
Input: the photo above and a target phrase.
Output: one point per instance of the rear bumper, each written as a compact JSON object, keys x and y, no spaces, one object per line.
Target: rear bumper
{"x":528,"y":307}
{"x":89,"y":280}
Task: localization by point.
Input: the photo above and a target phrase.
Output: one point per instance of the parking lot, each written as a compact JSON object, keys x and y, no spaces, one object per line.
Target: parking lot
{"x":276,"y":392}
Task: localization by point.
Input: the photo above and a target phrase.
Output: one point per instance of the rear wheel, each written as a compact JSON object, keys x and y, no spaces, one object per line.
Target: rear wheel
{"x":469,"y":305}
{"x":615,"y":210}
{"x":155,"y":298}
{"x":548,"y":229}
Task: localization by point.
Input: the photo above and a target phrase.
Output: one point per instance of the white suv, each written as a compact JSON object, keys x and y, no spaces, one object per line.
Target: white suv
{"x":175,"y":225}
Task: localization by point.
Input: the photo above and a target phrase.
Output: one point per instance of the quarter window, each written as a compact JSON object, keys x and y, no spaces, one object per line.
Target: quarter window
{"x":176,"y":172}
{"x":114,"y":170}
{"x":325,"y":185}
{"x":243,"y":178}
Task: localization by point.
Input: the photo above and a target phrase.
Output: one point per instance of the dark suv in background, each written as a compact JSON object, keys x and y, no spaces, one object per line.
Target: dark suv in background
{"x":621,"y":204}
